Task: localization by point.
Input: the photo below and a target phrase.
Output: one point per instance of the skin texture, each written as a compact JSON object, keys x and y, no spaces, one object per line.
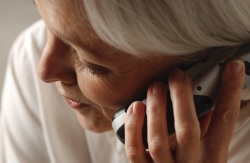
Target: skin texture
{"x":190,"y":144}
{"x":103,"y":79}
{"x":87,"y":70}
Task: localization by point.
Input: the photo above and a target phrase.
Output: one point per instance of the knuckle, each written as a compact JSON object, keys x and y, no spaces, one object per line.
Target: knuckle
{"x":153,"y":110}
{"x":156,"y":146}
{"x":132,"y":153}
{"x":229,"y":116}
{"x":129,"y":125}
{"x":188,"y":136}
{"x":131,"y":128}
{"x":180,"y":93}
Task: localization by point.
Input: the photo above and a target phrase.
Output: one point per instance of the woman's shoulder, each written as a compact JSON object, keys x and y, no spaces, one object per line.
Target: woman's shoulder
{"x":36,"y":32}
{"x":26,"y":50}
{"x":30,"y":42}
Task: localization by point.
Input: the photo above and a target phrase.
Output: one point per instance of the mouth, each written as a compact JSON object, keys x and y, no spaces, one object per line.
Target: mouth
{"x":75,"y":104}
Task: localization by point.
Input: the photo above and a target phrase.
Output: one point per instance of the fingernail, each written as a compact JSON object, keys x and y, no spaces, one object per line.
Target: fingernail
{"x":136,"y":108}
{"x":236,"y":67}
{"x":158,"y":88}
{"x":177,"y":74}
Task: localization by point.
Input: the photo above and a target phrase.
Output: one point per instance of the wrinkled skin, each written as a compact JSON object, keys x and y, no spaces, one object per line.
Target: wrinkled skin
{"x":102,"y":79}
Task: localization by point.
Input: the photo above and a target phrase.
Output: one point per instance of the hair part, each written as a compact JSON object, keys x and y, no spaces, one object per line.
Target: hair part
{"x":169,"y":27}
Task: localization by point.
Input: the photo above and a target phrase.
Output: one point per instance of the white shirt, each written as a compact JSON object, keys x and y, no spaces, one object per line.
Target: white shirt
{"x":38,"y":126}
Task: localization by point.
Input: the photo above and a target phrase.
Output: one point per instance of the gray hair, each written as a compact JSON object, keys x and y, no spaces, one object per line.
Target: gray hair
{"x":170,"y":27}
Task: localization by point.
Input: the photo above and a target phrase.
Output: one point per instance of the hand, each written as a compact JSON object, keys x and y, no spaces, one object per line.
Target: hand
{"x":194,"y":143}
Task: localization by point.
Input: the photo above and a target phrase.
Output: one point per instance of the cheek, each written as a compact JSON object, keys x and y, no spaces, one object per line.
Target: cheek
{"x":102,"y":94}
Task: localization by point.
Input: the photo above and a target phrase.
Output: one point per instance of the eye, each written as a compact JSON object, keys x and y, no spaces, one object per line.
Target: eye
{"x":91,"y":68}
{"x":94,"y":69}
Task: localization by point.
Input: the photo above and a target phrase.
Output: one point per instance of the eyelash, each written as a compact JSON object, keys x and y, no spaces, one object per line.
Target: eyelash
{"x":94,"y":70}
{"x":91,"y":69}
{"x":81,"y":67}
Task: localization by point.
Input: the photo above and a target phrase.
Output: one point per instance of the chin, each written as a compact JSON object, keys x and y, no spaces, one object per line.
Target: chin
{"x":98,"y":125}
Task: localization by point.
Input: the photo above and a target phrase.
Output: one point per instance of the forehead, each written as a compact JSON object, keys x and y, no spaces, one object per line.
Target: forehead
{"x":67,"y":20}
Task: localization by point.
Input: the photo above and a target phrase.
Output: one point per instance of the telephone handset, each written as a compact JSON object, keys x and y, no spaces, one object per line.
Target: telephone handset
{"x":205,"y":79}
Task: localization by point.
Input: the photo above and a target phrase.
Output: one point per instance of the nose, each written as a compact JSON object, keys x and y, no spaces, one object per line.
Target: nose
{"x":56,"y":62}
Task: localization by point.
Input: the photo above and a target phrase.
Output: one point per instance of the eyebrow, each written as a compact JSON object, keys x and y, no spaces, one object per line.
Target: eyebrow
{"x":88,"y":46}
{"x":70,"y":39}
{"x":60,"y":35}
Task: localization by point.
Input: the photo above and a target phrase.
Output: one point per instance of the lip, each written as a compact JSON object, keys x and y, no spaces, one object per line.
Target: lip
{"x":75,"y":104}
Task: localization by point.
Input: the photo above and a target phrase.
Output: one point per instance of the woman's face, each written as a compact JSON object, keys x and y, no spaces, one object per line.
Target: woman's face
{"x":95,"y":78}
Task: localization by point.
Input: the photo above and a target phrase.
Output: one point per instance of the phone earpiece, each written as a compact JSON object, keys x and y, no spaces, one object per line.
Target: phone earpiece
{"x":205,"y":78}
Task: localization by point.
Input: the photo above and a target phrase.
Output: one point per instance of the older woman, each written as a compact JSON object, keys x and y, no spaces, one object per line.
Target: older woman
{"x":102,"y":54}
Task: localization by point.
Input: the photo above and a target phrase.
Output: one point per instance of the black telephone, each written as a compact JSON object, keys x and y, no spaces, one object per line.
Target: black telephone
{"x":205,"y":79}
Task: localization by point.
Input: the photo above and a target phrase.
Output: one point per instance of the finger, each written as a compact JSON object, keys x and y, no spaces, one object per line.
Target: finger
{"x":204,"y":121}
{"x":227,"y":109}
{"x":186,"y":121}
{"x":133,"y":133}
{"x":157,"y":124}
